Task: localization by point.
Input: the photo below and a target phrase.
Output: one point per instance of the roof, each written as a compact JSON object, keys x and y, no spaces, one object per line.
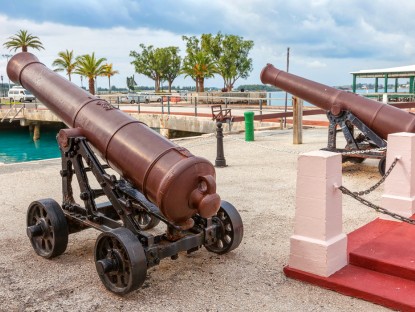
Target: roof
{"x":393,"y":72}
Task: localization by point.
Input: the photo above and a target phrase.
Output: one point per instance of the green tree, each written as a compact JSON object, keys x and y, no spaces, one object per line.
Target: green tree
{"x":23,"y":40}
{"x":157,"y":64}
{"x":231,"y":54}
{"x":200,"y":66}
{"x":65,"y":62}
{"x":172,"y":66}
{"x":198,"y":63}
{"x":87,"y":65}
{"x":109,"y":72}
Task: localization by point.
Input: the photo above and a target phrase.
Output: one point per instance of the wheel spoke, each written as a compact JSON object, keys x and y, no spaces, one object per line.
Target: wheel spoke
{"x":42,"y":212}
{"x":49,"y":244}
{"x":106,"y":249}
{"x":221,"y":215}
{"x":43,"y":243}
{"x":37,"y":212}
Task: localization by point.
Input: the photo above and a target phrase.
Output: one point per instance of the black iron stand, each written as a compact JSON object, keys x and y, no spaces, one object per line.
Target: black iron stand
{"x":358,"y":147}
{"x":220,"y":160}
{"x":125,"y":249}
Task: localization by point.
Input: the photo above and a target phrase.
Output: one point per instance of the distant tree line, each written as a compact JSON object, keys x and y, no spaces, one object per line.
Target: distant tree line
{"x":207,"y":56}
{"x":87,"y":65}
{"x":258,"y":87}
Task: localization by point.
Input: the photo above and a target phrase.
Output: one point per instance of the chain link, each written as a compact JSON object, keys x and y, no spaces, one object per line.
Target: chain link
{"x":364,"y":151}
{"x":374,"y":187}
{"x":268,"y":147}
{"x":377,"y":208}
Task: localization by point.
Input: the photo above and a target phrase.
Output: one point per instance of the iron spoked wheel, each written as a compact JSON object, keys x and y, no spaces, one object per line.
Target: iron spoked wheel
{"x":146,"y":221}
{"x":382,"y":166}
{"x":230,"y":231}
{"x":120,"y":261}
{"x":47,"y":228}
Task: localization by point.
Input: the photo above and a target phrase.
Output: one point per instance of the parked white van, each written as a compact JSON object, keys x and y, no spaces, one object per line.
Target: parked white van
{"x":20,"y":94}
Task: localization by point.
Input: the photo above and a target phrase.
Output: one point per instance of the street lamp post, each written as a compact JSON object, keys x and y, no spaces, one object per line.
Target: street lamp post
{"x":7,"y":56}
{"x":2,"y":86}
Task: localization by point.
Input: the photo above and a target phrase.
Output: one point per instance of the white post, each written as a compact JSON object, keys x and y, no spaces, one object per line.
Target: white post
{"x":318,"y":245}
{"x":399,"y":189}
{"x":385,"y":98}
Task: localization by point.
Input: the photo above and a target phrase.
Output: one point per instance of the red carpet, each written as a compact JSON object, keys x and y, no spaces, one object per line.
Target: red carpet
{"x":381,"y":266}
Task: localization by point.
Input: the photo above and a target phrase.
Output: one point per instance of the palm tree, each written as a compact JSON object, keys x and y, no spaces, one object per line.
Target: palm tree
{"x":199,"y":66}
{"x":23,"y":40}
{"x":65,"y":62}
{"x":109,"y":72}
{"x":87,"y":65}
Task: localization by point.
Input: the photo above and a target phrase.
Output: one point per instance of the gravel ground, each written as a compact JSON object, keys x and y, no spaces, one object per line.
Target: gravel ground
{"x":259,"y":181}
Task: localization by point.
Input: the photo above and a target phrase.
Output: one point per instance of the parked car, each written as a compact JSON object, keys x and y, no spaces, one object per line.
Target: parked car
{"x":136,"y":98}
{"x":20,"y":94}
{"x":151,"y":97}
{"x":140,"y":98}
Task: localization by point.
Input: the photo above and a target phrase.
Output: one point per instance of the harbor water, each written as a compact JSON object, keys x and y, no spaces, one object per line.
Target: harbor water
{"x":17,"y":145}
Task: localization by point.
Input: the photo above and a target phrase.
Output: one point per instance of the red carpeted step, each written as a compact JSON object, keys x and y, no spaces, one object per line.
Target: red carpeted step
{"x":381,"y":266}
{"x":389,"y":291}
{"x":392,"y":252}
{"x":369,"y":232}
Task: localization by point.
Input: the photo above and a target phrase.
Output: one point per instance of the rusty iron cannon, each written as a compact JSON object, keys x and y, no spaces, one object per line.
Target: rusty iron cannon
{"x":158,"y":181}
{"x":348,"y":111}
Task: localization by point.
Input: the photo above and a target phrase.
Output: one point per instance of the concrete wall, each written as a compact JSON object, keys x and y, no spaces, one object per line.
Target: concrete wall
{"x":171,"y":122}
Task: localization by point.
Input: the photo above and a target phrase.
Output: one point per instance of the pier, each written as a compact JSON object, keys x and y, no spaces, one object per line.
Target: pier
{"x":172,"y":117}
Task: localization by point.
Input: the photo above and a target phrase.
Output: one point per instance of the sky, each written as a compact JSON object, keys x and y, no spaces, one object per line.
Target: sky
{"x":328,"y":39}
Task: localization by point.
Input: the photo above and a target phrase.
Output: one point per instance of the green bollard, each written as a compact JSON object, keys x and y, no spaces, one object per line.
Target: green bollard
{"x":249,"y":126}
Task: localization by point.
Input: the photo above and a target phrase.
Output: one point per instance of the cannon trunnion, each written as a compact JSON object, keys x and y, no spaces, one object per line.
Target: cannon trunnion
{"x":158,"y":182}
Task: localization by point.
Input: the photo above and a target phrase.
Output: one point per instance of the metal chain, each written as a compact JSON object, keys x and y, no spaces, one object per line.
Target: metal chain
{"x":268,"y":147}
{"x":367,"y":203}
{"x":374,"y":187}
{"x":375,"y":207}
{"x":364,"y":151}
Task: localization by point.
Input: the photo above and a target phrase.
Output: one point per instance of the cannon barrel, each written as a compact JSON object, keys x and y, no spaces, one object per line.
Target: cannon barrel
{"x":179,"y":183}
{"x":381,"y":118}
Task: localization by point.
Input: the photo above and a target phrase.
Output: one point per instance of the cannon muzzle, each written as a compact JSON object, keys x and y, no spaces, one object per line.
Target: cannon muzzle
{"x":179,"y":183}
{"x":381,"y":118}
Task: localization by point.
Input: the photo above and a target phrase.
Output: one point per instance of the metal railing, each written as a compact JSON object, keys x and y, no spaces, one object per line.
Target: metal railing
{"x":196,"y":105}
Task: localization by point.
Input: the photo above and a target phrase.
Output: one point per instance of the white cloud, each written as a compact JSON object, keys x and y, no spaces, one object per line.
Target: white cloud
{"x":328,"y":38}
{"x":114,"y":44}
{"x":316,"y":64}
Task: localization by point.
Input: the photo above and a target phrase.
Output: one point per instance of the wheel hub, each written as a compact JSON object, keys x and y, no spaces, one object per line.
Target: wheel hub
{"x":38,"y":229}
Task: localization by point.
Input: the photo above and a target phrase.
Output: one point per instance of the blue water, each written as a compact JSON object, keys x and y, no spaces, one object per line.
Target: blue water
{"x":277,"y":98}
{"x":16,"y":145}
